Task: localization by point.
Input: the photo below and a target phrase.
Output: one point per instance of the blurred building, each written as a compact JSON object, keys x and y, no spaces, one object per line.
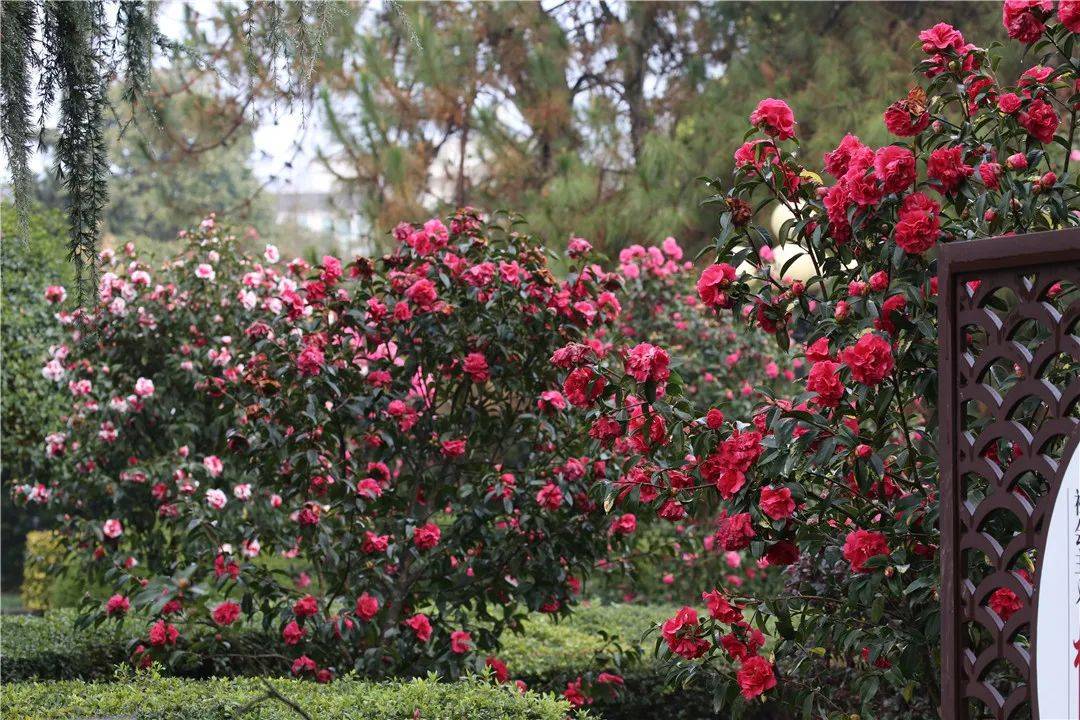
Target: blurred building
{"x":323,"y":215}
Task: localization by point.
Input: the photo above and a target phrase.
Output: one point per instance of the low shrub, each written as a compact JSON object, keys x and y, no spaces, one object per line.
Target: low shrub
{"x":148,"y":696}
{"x":48,"y":582}
{"x":548,"y":656}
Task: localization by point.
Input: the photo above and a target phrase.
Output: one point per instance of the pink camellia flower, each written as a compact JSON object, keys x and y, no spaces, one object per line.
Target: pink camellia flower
{"x":648,"y":363}
{"x":775,"y":118}
{"x":712,"y":284}
{"x":366,"y":606}
{"x":549,"y":497}
{"x":861,"y":545}
{"x":216,"y":499}
{"x":453,"y":448}
{"x":55,"y":294}
{"x":671,"y":248}
{"x":271,"y":254}
{"x":205,"y":271}
{"x":310,"y":361}
{"x":421,"y":626}
{"x":460,"y":642}
{"x":226,"y":613}
{"x":144,"y":387}
{"x":626,"y":524}
{"x":112,"y":528}
{"x":427,"y":536}
{"x":117,"y":605}
{"x":213,"y":465}
{"x":579,"y":246}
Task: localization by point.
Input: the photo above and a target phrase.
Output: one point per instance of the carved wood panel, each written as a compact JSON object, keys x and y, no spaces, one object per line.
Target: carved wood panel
{"x":1009,"y":385}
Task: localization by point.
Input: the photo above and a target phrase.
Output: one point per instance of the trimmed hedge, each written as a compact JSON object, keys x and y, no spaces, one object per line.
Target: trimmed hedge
{"x":155,"y":698}
{"x":547,"y":655}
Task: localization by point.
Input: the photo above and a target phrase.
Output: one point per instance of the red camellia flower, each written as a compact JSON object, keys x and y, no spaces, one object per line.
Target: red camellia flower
{"x":1005,"y":603}
{"x":892,"y":304}
{"x":919,"y":224}
{"x":306,"y":606}
{"x":476,"y":367}
{"x":421,"y":627}
{"x":776,"y":502}
{"x":1023,"y":19}
{"x":117,"y":605}
{"x":755,"y":676}
{"x":427,"y":536}
{"x":775,"y":118}
{"x":735,"y":532}
{"x":894,"y":166}
{"x":861,"y":545}
{"x":908,"y":116}
{"x":682,"y":634}
{"x":498,"y":668}
{"x":292,"y":633}
{"x":648,"y":363}
{"x":946,"y":165}
{"x":720,"y":608}
{"x":366,"y":606}
{"x":710,"y":286}
{"x":626,"y":524}
{"x":836,"y":162}
{"x":460,"y":642}
{"x":162,"y":633}
{"x":1069,"y":14}
{"x":870,"y":359}
{"x":226,"y":613}
{"x":782,"y":554}
{"x":824,"y":379}
{"x":583,"y":386}
{"x":302,"y":665}
{"x":1040,"y":120}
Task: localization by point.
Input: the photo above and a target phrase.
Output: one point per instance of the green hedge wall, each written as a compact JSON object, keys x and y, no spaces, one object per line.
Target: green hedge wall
{"x":155,"y":698}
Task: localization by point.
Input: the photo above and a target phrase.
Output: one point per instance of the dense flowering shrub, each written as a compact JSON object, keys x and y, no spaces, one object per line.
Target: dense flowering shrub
{"x":722,"y":361}
{"x":365,"y":459}
{"x":836,"y":485}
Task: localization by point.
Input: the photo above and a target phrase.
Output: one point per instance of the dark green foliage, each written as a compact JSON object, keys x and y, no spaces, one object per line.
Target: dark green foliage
{"x":148,"y":697}
{"x":29,"y":405}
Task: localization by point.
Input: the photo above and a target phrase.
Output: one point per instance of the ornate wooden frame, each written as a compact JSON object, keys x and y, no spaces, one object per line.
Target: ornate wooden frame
{"x":995,"y":503}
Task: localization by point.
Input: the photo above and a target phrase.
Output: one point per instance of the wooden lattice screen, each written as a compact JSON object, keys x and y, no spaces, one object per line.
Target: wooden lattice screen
{"x":1009,"y":421}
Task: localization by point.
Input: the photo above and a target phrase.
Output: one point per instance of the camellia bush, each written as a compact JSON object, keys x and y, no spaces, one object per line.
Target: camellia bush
{"x":365,"y":461}
{"x":723,"y":360}
{"x":835,"y":485}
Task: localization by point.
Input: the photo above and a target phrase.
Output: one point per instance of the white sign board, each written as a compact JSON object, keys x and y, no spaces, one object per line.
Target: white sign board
{"x":1058,"y":621}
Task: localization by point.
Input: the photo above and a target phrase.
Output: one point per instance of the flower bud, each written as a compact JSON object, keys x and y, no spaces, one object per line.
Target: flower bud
{"x":842,"y":310}
{"x":1017,"y":161}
